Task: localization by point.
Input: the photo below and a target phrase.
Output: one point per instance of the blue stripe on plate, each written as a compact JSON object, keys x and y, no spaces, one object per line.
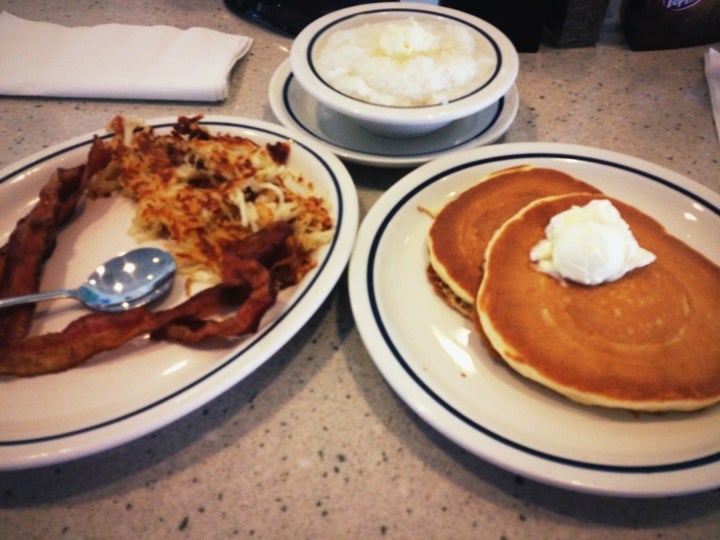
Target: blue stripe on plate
{"x":339,"y":144}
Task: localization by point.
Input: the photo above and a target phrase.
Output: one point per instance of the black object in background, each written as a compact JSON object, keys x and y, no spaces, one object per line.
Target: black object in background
{"x":575,"y":23}
{"x":286,"y":16}
{"x":522,"y":21}
{"x":670,"y":24}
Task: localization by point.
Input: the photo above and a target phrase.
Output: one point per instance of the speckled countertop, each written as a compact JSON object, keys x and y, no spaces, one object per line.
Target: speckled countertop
{"x":314,"y":444}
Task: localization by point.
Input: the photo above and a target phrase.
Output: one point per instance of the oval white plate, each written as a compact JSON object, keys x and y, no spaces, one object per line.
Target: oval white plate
{"x":140,"y":387}
{"x":297,"y":109}
{"x":435,"y":362}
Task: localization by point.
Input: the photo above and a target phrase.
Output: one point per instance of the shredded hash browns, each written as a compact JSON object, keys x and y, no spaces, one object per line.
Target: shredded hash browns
{"x":201,"y":192}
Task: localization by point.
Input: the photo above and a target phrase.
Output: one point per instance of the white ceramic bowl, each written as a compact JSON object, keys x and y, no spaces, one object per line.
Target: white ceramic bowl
{"x":404,"y":121}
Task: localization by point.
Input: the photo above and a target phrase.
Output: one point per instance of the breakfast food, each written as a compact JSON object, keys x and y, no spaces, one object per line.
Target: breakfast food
{"x":32,"y":241}
{"x":248,"y":287}
{"x":235,"y":216}
{"x":580,"y":292}
{"x":200,"y":193}
{"x":647,"y":341}
{"x":462,"y":229}
{"x":405,"y":61}
{"x":590,"y":245}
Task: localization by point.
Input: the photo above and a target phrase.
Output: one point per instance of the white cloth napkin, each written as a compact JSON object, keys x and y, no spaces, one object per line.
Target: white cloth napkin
{"x":712,"y":74}
{"x":116,"y":61}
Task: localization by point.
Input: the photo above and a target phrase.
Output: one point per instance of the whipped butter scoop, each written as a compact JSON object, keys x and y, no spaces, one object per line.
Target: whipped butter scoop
{"x":590,"y":245}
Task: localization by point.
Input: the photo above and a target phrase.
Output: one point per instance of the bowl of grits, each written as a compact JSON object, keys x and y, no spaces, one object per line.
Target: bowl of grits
{"x":403,"y":69}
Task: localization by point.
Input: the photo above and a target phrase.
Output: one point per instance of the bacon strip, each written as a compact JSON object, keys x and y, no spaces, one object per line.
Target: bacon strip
{"x":270,"y":251}
{"x":192,"y":330}
{"x":3,"y":254}
{"x":34,"y":238}
{"x":98,"y":332}
{"x":247,"y":284}
{"x":30,"y":245}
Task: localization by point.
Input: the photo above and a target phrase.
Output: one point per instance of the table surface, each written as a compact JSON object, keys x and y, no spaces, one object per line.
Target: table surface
{"x":314,"y":444}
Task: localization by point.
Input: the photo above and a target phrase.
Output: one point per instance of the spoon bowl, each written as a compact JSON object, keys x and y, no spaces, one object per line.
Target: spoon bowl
{"x":128,"y":281}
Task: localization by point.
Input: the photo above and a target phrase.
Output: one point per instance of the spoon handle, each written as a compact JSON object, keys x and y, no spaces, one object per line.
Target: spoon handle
{"x":37,"y":297}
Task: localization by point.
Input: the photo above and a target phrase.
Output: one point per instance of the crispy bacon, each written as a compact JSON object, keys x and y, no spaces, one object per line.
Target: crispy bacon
{"x":247,"y":284}
{"x":251,"y":260}
{"x":262,"y":295}
{"x":3,"y":253}
{"x":34,"y":238}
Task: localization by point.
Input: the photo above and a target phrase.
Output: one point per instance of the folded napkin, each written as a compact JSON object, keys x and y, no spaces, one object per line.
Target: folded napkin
{"x":712,"y":74}
{"x":116,"y":61}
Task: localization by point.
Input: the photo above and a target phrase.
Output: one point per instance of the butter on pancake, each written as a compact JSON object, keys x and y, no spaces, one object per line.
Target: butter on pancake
{"x":462,"y":229}
{"x":646,"y":342}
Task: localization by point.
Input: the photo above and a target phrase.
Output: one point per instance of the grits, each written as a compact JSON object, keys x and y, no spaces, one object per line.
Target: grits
{"x":405,"y":62}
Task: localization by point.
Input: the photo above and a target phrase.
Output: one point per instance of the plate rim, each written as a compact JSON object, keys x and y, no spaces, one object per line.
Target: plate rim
{"x":277,"y":96}
{"x":31,"y":452}
{"x":569,"y":474}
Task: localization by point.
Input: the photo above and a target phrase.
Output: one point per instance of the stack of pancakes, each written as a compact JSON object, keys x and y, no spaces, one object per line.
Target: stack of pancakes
{"x":464,"y":227}
{"x":649,"y":341}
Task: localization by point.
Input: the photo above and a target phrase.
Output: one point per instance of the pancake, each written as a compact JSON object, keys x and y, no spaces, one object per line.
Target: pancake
{"x":647,"y":342}
{"x":461,"y":230}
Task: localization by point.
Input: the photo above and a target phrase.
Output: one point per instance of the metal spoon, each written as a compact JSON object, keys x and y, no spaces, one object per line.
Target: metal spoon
{"x":130,"y":280}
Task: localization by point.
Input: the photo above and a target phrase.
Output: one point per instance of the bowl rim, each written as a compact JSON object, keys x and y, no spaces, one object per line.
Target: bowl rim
{"x":495,"y":87}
